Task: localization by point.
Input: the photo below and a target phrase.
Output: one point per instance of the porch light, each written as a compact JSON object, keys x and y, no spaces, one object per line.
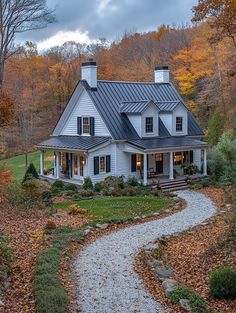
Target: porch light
{"x":83,"y":162}
{"x":138,"y":164}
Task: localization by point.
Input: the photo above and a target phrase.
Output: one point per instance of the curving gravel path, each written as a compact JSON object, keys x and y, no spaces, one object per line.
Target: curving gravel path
{"x":107,"y":280}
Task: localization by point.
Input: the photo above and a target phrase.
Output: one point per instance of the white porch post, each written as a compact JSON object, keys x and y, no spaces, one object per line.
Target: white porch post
{"x":145,"y":169}
{"x":205,"y":163}
{"x":171,"y":173}
{"x":57,"y":164}
{"x":41,"y":162}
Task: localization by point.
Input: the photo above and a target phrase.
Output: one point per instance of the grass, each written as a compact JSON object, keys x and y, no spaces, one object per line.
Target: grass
{"x":50,"y":294}
{"x":17,"y":164}
{"x":119,"y":208}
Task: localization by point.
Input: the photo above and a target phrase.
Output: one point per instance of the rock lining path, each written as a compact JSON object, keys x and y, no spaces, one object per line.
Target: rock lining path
{"x":107,"y":280}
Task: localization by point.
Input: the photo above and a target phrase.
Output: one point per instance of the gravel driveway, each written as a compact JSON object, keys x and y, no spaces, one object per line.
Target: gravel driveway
{"x":107,"y":280}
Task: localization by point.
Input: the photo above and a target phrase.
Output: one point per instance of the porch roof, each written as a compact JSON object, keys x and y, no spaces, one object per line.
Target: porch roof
{"x":73,"y":142}
{"x":169,"y":142}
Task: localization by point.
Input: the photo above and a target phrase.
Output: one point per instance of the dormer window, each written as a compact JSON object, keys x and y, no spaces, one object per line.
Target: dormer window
{"x":179,"y":124}
{"x":86,"y":125}
{"x":149,"y":125}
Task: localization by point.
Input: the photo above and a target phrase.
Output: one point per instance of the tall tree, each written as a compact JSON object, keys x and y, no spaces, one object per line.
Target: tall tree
{"x":18,"y":16}
{"x":221,"y":15}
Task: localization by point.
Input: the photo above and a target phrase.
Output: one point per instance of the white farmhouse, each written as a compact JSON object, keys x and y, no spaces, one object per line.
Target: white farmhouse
{"x":124,"y":128}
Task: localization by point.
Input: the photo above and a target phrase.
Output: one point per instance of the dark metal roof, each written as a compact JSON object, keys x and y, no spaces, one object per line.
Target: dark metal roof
{"x":167,"y":106}
{"x":163,"y":132}
{"x":194,"y":129}
{"x":133,"y":107}
{"x":73,"y":142}
{"x":110,"y":95}
{"x":167,"y":142}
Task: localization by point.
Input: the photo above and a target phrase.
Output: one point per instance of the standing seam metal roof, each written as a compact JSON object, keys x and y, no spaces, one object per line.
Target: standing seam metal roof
{"x":109,"y":95}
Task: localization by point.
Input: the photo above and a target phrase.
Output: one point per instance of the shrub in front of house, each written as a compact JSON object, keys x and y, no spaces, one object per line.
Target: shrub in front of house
{"x":75,"y":209}
{"x":98,"y":187}
{"x":85,"y":193}
{"x":71,"y":187}
{"x":132,"y":181}
{"x":58,"y":184}
{"x":31,"y":172}
{"x":87,"y":185}
{"x":129,"y":191}
{"x":223,"y":283}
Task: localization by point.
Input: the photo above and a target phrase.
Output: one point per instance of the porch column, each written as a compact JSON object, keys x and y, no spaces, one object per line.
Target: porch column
{"x":57,"y":164}
{"x":41,"y":162}
{"x":171,"y":173}
{"x":145,"y":169}
{"x":205,"y":162}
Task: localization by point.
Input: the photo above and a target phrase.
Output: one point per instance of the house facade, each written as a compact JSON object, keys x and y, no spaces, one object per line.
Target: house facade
{"x":124,"y":128}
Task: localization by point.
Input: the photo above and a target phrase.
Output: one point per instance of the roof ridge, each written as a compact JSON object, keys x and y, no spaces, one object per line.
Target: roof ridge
{"x":128,"y":82}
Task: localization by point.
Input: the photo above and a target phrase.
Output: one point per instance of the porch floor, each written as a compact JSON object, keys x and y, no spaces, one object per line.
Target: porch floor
{"x":52,"y":179}
{"x":165,"y":178}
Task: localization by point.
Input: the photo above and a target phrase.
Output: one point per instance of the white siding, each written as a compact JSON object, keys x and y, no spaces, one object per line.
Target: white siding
{"x":108,"y":150}
{"x":151,"y":111}
{"x":180,"y":111}
{"x":85,"y":107}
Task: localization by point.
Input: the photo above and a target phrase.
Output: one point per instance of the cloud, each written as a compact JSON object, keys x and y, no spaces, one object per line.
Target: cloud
{"x":91,"y":19}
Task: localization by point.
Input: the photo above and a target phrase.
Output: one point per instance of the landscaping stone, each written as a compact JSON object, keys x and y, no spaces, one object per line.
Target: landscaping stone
{"x":169,"y":285}
{"x":2,"y":303}
{"x":163,"y":273}
{"x":107,"y":279}
{"x":102,"y":226}
{"x":137,"y":218}
{"x":151,"y":246}
{"x":185,"y":305}
{"x":156,"y":214}
{"x":87,"y":231}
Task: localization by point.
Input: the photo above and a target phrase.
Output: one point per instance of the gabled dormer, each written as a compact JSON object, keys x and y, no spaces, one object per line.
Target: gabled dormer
{"x":143,"y":115}
{"x":174,"y":115}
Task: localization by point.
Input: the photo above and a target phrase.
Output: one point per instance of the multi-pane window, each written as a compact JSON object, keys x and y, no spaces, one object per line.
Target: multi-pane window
{"x":158,"y":157}
{"x":86,"y":125}
{"x":149,"y":125}
{"x":178,"y":158}
{"x":179,"y":123}
{"x":102,"y":164}
{"x":139,"y":161}
{"x":75,"y":165}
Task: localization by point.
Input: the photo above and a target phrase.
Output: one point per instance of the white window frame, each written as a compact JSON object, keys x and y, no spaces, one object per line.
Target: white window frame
{"x":149,"y":132}
{"x":179,"y":131}
{"x":85,"y":133}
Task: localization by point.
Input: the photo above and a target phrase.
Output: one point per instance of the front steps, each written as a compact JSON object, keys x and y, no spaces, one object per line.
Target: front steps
{"x":173,"y":185}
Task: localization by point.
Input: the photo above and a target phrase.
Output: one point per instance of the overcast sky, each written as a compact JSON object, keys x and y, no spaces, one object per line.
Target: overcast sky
{"x":86,"y":20}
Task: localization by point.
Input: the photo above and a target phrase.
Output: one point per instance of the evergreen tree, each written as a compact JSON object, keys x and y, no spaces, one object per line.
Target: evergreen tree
{"x":215,"y":128}
{"x":31,"y":172}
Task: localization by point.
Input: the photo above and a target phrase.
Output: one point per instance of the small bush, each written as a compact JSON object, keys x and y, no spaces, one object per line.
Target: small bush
{"x":98,"y":187}
{"x":75,"y":209}
{"x":114,"y":182}
{"x":196,"y":302}
{"x":87,"y":185}
{"x":71,"y":187}
{"x":196,"y":186}
{"x":86,"y":193}
{"x":58,"y":184}
{"x":31,"y":172}
{"x":129,"y":191}
{"x":223,"y":283}
{"x":132,"y":181}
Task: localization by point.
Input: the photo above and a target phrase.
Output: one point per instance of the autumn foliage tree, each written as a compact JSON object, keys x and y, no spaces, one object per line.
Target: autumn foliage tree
{"x":7,"y":109}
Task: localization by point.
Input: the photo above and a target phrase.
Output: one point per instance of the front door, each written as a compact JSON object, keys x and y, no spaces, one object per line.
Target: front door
{"x":159,"y":163}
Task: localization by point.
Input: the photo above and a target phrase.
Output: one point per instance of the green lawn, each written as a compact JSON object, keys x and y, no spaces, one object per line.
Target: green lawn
{"x":17,"y":163}
{"x":119,"y":208}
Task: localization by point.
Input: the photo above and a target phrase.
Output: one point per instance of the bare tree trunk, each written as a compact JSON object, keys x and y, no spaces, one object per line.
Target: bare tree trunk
{"x":1,"y":74}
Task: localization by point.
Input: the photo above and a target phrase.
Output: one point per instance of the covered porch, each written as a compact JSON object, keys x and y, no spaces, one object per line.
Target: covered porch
{"x":166,"y":164}
{"x":70,"y":167}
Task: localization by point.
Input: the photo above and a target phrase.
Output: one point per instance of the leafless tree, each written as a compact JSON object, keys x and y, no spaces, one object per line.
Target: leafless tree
{"x":18,"y":16}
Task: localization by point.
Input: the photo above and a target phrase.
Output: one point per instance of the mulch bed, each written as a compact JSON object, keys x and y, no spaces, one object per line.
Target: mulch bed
{"x":27,"y":238}
{"x":193,"y":255}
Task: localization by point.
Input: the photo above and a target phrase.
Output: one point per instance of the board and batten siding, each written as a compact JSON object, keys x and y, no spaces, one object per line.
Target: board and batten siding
{"x":85,"y":107}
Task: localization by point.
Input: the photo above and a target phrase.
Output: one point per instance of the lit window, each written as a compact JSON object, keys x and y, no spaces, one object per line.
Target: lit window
{"x":179,"y":123}
{"x":82,"y":162}
{"x":149,"y":124}
{"x":75,"y":165}
{"x":178,"y":158}
{"x":139,"y":161}
{"x":159,"y":157}
{"x":102,"y":164}
{"x":86,"y":125}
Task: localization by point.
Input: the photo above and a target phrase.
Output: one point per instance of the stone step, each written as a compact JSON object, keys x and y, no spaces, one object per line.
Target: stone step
{"x":176,"y":188}
{"x":173,"y":183}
